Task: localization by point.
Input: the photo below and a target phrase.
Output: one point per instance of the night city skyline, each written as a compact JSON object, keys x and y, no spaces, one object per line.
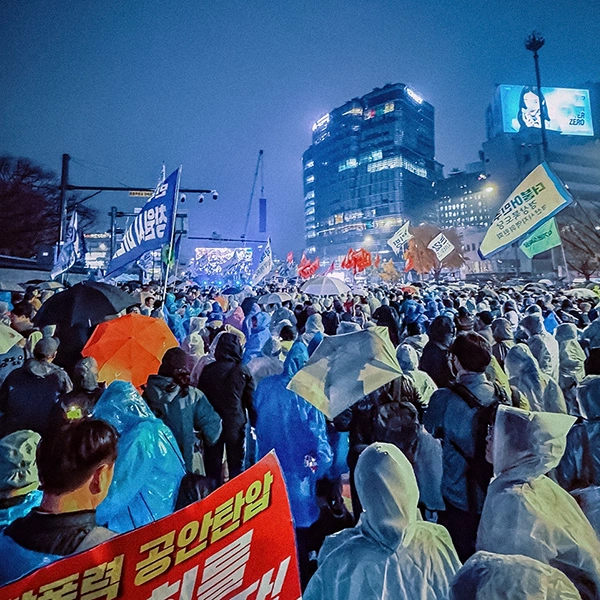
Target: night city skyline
{"x":123,"y":87}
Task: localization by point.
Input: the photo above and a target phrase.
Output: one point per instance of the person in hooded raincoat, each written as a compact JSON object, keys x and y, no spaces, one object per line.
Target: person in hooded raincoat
{"x":487,"y":576}
{"x":297,"y":431}
{"x":524,"y":374}
{"x":579,"y":469}
{"x":408,"y":359}
{"x":543,"y":345}
{"x":571,"y":361}
{"x":313,"y":333}
{"x":259,"y":334}
{"x":525,"y":512}
{"x":504,"y":339}
{"x":149,"y":466}
{"x":390,"y":554}
{"x":183,"y":408}
{"x":434,"y":360}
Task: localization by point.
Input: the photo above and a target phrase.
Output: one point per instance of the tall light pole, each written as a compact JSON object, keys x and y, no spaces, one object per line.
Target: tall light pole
{"x":533,"y":43}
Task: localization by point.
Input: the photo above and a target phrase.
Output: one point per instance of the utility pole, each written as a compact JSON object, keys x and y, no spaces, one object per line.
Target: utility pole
{"x":533,"y":43}
{"x":64,"y":186}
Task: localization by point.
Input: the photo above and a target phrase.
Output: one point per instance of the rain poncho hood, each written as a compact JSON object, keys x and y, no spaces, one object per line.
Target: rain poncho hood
{"x":525,"y":512}
{"x":149,"y":465}
{"x":228,"y":348}
{"x":589,"y":397}
{"x":502,"y":329}
{"x":488,"y":576}
{"x":390,"y":554}
{"x":258,"y":336}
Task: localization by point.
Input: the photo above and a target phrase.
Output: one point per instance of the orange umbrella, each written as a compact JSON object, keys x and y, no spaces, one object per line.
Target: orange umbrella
{"x":129,"y":348}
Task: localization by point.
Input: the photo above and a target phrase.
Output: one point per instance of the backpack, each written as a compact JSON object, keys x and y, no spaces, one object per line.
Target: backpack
{"x":479,"y":471}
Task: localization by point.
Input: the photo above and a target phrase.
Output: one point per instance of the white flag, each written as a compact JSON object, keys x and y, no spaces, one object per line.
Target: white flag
{"x":441,"y":245}
{"x":400,"y":238}
{"x":265,"y":264}
{"x":70,"y":251}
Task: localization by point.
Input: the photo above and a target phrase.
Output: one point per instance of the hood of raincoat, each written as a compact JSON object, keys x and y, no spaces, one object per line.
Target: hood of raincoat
{"x":534,"y":324}
{"x":407,"y":358}
{"x":297,"y":357}
{"x":85,"y":374}
{"x":528,"y":444}
{"x":229,"y":348}
{"x":387,"y":488}
{"x":441,"y":330}
{"x":502,"y":329}
{"x":521,"y":365}
{"x":40,"y":368}
{"x":588,"y":394}
{"x":122,"y":407}
{"x":489,"y":576}
{"x":565,"y":332}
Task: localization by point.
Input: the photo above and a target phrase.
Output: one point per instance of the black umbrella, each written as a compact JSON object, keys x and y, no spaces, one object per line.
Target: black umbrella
{"x":87,"y":303}
{"x":231,"y":291}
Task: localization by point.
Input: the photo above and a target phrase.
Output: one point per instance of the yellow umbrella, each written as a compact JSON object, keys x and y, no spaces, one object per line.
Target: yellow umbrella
{"x":345,"y":368}
{"x":8,"y":338}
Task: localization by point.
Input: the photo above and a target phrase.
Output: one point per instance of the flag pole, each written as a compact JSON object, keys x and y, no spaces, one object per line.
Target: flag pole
{"x":172,"y":234}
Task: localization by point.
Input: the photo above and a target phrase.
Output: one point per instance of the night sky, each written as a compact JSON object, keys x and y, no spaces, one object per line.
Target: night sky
{"x":124,"y":85}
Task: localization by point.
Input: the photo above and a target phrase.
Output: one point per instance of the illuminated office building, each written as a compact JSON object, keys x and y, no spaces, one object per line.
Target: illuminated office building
{"x":370,"y":167}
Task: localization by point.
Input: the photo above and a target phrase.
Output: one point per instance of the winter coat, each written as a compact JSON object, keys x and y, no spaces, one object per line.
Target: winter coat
{"x":28,"y":394}
{"x":297,"y":431}
{"x":390,"y":553}
{"x":525,"y":512}
{"x":228,"y":384}
{"x":434,"y":362}
{"x":386,"y":316}
{"x":571,"y":361}
{"x":449,"y":418}
{"x":149,"y":465}
{"x":542,"y":392}
{"x":331,"y":320}
{"x":185,"y":412}
{"x":500,"y":577}
{"x":258,"y":337}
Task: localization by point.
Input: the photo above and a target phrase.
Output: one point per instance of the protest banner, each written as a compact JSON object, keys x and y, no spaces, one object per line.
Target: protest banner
{"x":236,"y":544}
{"x":70,"y":251}
{"x":538,"y":198}
{"x":441,"y":246}
{"x":543,"y":238}
{"x":265,"y":265}
{"x":152,"y":227}
{"x":400,"y":238}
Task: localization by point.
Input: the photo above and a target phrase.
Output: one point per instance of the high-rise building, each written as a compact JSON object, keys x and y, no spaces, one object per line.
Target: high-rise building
{"x":370,"y":167}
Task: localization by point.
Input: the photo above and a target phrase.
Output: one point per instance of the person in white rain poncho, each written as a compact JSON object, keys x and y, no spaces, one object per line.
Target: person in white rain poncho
{"x":525,"y":512}
{"x":572,"y":371}
{"x":408,"y":359}
{"x":390,"y":554}
{"x":525,"y":375}
{"x":542,"y":344}
{"x":487,"y":576}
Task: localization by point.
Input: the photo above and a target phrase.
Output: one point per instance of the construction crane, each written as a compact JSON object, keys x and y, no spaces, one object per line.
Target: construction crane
{"x":259,"y":168}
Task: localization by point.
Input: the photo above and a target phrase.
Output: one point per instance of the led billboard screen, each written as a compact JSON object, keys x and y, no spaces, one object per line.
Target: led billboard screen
{"x":221,"y":266}
{"x":567,"y":111}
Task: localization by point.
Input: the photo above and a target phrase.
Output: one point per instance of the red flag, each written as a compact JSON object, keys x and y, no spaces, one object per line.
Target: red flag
{"x":303,"y":261}
{"x":330,"y":268}
{"x":290,"y":257}
{"x":409,"y":264}
{"x":377,"y":260}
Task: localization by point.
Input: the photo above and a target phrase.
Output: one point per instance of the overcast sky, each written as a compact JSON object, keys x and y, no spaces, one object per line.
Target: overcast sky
{"x":123,"y":85}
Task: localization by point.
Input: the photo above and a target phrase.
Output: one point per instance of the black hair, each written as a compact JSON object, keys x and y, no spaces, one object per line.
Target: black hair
{"x":68,"y":456}
{"x":287,"y":334}
{"x":23,"y":309}
{"x":473,"y":351}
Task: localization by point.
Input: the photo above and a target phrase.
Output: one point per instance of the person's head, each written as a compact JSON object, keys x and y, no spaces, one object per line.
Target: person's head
{"x":22,"y":313}
{"x":533,"y":324}
{"x":502,"y":329}
{"x":46,"y":349}
{"x":77,"y":462}
{"x":471,"y":352}
{"x":287,"y":334}
{"x":85,"y":374}
{"x":149,"y":301}
{"x":442,"y":330}
{"x":133,"y":310}
{"x":175,"y":364}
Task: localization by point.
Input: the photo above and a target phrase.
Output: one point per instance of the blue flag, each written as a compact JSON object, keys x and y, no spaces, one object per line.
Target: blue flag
{"x":151,"y":229}
{"x":70,"y":251}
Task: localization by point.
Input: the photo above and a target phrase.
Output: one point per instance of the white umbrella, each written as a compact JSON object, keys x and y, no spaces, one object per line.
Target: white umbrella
{"x":325,"y":286}
{"x":345,"y":368}
{"x":277,"y":298}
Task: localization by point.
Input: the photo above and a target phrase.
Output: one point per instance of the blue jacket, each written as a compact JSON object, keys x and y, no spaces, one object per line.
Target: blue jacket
{"x":297,"y":432}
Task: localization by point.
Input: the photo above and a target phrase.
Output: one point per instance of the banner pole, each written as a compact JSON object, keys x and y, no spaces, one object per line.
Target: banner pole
{"x":172,"y":235}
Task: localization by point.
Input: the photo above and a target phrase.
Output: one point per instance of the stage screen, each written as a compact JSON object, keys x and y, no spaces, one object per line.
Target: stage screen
{"x":221,"y":266}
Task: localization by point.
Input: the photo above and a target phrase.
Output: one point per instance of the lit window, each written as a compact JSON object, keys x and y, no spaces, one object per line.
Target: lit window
{"x":310,"y":164}
{"x":310,"y":179}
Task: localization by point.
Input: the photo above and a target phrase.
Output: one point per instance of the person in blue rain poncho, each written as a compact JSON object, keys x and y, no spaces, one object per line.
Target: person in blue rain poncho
{"x":390,"y":554}
{"x":259,"y":334}
{"x":297,"y":431}
{"x":149,"y":467}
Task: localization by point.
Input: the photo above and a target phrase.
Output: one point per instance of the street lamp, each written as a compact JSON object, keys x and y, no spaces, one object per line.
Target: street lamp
{"x":533,"y":43}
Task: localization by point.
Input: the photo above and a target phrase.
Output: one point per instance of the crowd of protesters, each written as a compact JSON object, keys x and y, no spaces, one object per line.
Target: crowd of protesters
{"x":474,"y":474}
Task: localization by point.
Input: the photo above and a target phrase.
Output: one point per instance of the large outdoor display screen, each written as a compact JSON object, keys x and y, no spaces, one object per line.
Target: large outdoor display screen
{"x":565,"y":110}
{"x":221,"y":266}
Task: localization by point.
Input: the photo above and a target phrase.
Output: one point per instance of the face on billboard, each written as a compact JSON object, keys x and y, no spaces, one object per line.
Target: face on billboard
{"x":564,"y":110}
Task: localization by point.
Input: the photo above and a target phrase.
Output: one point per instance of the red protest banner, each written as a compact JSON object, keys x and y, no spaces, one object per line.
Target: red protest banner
{"x":237,"y":544}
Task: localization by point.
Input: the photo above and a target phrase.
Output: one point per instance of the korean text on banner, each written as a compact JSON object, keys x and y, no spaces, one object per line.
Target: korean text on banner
{"x":237,"y":544}
{"x":265,"y":264}
{"x":539,"y":197}
{"x":441,"y":245}
{"x":400,"y":238}
{"x":70,"y":251}
{"x":543,"y":238}
{"x":151,"y":228}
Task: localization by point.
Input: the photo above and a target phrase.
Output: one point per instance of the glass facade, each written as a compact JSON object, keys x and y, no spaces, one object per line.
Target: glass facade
{"x":370,"y":167}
